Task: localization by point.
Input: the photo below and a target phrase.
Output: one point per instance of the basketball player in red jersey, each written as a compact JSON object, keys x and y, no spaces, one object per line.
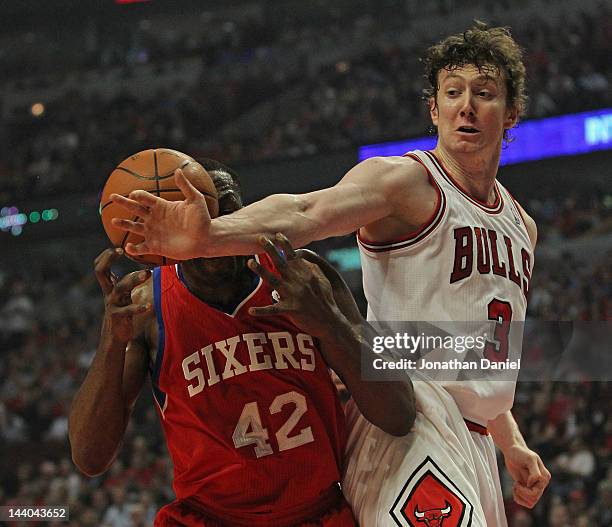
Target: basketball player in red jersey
{"x":251,"y":416}
{"x":441,"y":214}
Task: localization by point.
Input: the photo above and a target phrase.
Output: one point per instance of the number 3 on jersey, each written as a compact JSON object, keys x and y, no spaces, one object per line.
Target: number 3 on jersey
{"x":501,"y":312}
{"x":249,"y":430}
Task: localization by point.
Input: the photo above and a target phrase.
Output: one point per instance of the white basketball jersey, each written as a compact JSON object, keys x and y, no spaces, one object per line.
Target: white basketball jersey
{"x":470,"y":262}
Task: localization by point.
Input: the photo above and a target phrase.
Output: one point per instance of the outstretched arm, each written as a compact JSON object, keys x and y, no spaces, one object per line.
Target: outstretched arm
{"x":102,"y":406}
{"x":319,"y":302}
{"x":373,"y":190}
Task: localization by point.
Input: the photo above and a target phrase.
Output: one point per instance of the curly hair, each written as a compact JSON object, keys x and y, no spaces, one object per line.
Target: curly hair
{"x":483,"y":47}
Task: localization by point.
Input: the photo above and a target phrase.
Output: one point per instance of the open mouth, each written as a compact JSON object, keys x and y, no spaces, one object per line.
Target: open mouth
{"x":468,"y":130}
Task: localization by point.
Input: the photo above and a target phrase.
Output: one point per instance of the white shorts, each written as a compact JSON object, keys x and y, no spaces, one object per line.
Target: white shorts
{"x":440,"y":474}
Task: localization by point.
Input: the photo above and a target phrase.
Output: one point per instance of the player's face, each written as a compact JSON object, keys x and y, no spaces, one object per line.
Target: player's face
{"x":470,"y":109}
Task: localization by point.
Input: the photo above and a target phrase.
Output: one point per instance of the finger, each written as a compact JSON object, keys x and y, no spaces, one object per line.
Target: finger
{"x":124,"y":287}
{"x":137,"y":227}
{"x":136,"y":249}
{"x":274,"y":309}
{"x":145,"y":199}
{"x":104,"y":254}
{"x":538,"y":488}
{"x":102,"y":265}
{"x":286,"y":246}
{"x":527,"y":492}
{"x":266,"y":275}
{"x":137,"y":208}
{"x":132,"y":310}
{"x":524,"y":496}
{"x":533,"y":474}
{"x":545,"y":472}
{"x":189,"y":191}
{"x":272,"y":251}
{"x":518,"y":498}
{"x":522,"y":502}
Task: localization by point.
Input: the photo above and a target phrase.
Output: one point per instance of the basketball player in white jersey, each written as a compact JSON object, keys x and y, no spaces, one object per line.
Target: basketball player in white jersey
{"x":440,"y":240}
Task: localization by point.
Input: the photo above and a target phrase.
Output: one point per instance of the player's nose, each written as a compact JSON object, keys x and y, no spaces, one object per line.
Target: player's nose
{"x":467,"y":108}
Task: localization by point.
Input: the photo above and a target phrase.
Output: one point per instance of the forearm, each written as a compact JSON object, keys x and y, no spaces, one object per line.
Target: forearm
{"x":389,"y":405}
{"x":239,"y":232}
{"x":98,"y":415}
{"x":505,"y":432}
{"x":302,"y":218}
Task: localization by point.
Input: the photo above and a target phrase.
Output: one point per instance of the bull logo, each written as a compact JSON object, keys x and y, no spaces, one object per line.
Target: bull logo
{"x":433,"y":517}
{"x":419,"y":502}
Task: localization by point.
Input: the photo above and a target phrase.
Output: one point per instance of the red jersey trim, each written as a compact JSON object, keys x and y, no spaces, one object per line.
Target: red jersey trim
{"x":416,"y":236}
{"x":496,"y":208}
{"x":257,"y":288}
{"x":475,"y":427}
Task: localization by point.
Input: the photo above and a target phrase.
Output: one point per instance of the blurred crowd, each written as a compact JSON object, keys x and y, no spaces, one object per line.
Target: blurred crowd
{"x":569,"y":425}
{"x":377,"y":96}
{"x":308,"y":88}
{"x":585,"y":209}
{"x":49,"y":332}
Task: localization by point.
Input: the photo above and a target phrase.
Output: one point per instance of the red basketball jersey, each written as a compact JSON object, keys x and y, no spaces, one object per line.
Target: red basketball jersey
{"x":251,"y":416}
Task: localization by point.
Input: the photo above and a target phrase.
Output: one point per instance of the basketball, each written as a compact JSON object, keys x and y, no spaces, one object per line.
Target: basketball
{"x":153,"y":171}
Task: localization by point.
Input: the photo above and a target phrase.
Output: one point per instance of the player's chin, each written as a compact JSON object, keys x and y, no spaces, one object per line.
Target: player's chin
{"x":221,"y":266}
{"x":213,"y":264}
{"x":468,"y":144}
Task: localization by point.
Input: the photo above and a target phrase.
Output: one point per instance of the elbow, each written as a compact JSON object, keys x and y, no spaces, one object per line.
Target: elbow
{"x":398,"y":430}
{"x":391,"y":407}
{"x":87,"y":460}
{"x":400,"y":418}
{"x":396,"y":421}
{"x":402,"y":426}
{"x":88,"y":465}
{"x":410,"y":420}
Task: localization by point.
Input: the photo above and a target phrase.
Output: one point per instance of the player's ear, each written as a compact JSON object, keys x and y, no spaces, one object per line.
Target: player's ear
{"x":433,"y":110}
{"x":512,"y":115}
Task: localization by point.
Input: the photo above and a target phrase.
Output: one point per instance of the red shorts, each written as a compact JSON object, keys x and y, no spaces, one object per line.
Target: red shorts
{"x":332,"y":511}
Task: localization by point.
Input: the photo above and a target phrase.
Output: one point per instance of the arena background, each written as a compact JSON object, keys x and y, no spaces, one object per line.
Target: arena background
{"x":285,"y":92}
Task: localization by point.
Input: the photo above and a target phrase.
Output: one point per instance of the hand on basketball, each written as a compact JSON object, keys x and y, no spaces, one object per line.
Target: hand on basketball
{"x":530,"y":475}
{"x":119,"y":310}
{"x":306,"y":295}
{"x":175,"y":229}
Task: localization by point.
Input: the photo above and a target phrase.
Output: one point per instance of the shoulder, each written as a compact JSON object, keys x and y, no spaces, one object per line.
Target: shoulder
{"x":409,"y":193}
{"x":392,"y":173}
{"x":403,"y":182}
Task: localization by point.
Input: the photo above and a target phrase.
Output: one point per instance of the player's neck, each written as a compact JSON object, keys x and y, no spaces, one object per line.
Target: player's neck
{"x":219,"y":287}
{"x":475,"y":172}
